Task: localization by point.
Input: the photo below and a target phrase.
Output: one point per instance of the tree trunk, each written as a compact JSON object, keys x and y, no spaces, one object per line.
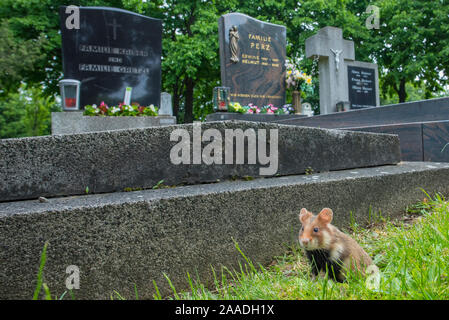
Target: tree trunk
{"x":176,"y":98}
{"x":402,"y":93}
{"x":188,"y":106}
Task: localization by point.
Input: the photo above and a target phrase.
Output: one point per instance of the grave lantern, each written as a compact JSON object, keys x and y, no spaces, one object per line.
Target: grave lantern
{"x":70,"y":94}
{"x":343,"y":106}
{"x":221,"y":98}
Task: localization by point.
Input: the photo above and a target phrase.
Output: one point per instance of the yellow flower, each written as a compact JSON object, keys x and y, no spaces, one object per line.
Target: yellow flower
{"x":309,"y":80}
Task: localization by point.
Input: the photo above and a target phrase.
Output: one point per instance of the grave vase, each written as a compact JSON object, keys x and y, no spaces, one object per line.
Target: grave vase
{"x":296,"y":101}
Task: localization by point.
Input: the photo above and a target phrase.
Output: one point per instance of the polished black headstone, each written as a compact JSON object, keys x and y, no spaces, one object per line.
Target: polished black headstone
{"x":113,"y":49}
{"x":362,"y":87}
{"x":253,"y":63}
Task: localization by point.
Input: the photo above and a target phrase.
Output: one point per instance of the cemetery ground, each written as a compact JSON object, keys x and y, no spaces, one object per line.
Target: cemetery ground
{"x":412,"y":253}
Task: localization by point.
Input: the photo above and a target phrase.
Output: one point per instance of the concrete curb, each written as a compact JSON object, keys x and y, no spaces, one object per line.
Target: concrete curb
{"x":74,"y":122}
{"x":112,"y":161}
{"x":121,"y":239}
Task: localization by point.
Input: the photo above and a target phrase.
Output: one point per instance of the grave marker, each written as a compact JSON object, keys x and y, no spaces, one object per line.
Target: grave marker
{"x":341,"y":77}
{"x":166,"y":105}
{"x":113,"y":49}
{"x":252,"y":58}
{"x":363,"y":84}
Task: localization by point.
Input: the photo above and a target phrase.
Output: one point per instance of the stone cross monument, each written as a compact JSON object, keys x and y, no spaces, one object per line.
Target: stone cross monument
{"x":332,"y":50}
{"x":342,"y":79}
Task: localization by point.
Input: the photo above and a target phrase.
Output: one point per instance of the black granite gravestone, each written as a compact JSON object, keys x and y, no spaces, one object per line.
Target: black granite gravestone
{"x":252,"y":59}
{"x":362,"y":87}
{"x":113,"y":49}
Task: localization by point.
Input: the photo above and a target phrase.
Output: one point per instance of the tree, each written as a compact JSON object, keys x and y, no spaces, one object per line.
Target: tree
{"x":17,"y":58}
{"x":38,"y":22}
{"x":411,"y":45}
{"x":11,"y":116}
{"x":26,"y":113}
{"x":190,"y":52}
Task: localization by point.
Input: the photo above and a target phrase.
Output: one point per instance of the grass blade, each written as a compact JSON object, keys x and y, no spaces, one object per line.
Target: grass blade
{"x":40,"y":272}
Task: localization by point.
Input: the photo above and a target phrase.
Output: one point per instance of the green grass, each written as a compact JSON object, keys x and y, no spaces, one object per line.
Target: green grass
{"x":40,"y":272}
{"x":412,"y":254}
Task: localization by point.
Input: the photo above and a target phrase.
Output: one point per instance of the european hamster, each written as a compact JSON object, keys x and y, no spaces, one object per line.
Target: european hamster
{"x":328,"y":247}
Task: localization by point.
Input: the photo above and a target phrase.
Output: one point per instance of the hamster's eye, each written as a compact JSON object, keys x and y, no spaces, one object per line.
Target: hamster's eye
{"x":315,"y":229}
{"x":302,"y":228}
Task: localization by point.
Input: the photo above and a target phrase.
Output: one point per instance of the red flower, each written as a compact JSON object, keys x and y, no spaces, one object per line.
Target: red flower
{"x":103,"y":107}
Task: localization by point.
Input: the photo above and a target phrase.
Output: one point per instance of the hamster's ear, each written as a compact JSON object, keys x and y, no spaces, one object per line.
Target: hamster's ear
{"x":326,"y":215}
{"x":304,"y":215}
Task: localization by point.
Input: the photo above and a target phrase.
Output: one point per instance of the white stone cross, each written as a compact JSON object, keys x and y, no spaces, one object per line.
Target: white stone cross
{"x":328,"y":44}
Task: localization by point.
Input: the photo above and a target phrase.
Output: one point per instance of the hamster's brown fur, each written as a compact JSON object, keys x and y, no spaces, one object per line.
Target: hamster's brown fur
{"x":329,"y":248}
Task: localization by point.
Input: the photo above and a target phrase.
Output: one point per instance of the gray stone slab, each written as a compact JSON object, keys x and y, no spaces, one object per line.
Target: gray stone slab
{"x":74,"y":122}
{"x":121,"y":239}
{"x":408,"y":112}
{"x":111,"y":161}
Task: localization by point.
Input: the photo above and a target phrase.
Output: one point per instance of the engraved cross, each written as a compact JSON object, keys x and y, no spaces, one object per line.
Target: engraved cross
{"x":114,"y":26}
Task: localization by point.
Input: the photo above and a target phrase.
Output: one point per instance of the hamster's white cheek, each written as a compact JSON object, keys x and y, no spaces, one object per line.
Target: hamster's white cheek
{"x":314,"y":244}
{"x":326,"y":239}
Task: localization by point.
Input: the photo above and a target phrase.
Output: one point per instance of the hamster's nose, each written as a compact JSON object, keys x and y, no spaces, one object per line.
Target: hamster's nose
{"x":304,"y":241}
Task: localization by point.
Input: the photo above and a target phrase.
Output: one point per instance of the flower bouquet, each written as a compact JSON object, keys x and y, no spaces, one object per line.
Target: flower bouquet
{"x":300,"y":82}
{"x":121,"y":110}
{"x":253,"y":109}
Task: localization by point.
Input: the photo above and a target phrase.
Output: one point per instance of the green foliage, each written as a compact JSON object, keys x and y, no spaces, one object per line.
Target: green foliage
{"x":16,"y":57}
{"x":411,"y":46}
{"x":236,"y":107}
{"x":190,"y":68}
{"x":159,"y":185}
{"x":26,"y":113}
{"x":12,"y":114}
{"x":415,"y":92}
